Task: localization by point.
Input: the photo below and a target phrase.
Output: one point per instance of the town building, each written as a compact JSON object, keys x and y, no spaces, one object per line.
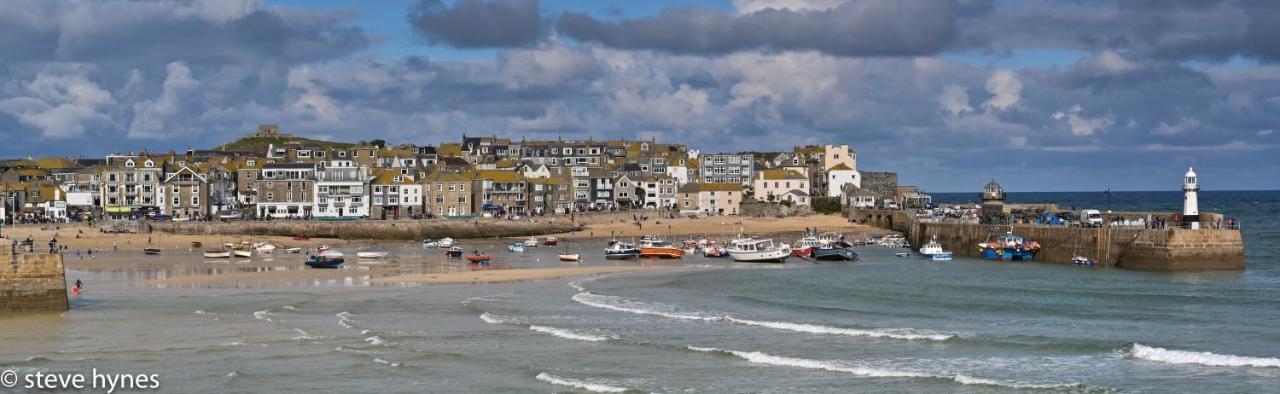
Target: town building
{"x":776,"y":185}
{"x":447,"y":194}
{"x":726,"y":168}
{"x":285,"y":190}
{"x":185,"y":192}
{"x":341,"y":190}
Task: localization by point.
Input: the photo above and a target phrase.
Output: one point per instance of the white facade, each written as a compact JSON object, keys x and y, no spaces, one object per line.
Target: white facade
{"x":680,"y":173}
{"x":342,"y":190}
{"x":541,"y":171}
{"x":838,"y":178}
{"x":1190,"y":205}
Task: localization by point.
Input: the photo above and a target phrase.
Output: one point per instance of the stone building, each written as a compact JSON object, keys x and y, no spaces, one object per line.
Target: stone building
{"x":285,"y":190}
{"x":131,"y":184}
{"x":185,"y":192}
{"x":447,"y":194}
{"x":993,"y":204}
{"x":724,"y":168}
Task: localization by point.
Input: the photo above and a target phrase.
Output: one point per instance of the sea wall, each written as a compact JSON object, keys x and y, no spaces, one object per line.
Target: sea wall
{"x":888,"y":219}
{"x":1136,"y":248}
{"x":32,"y":282}
{"x":372,"y":229}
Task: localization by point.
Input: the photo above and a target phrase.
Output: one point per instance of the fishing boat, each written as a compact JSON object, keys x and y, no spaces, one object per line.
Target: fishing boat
{"x":531,"y":242}
{"x":445,"y":242}
{"x":621,"y":250}
{"x":301,"y":238}
{"x":759,"y":251}
{"x":242,"y":253}
{"x":221,"y":254}
{"x":830,"y":237}
{"x":294,"y":250}
{"x":479,"y":258}
{"x":835,"y":252}
{"x":1081,"y":260}
{"x":714,"y":251}
{"x":933,"y":251}
{"x":453,"y":252}
{"x":551,"y":241}
{"x":372,"y":254}
{"x":430,"y":243}
{"x":566,"y":256}
{"x":264,"y":248}
{"x":1008,"y":247}
{"x":517,"y":247}
{"x":902,"y":254}
{"x":805,"y":246}
{"x":320,"y":261}
{"x":151,"y":251}
{"x":655,"y":248}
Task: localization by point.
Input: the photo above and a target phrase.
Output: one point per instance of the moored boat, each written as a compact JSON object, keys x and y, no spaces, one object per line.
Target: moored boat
{"x":264,"y":248}
{"x":1081,"y":260}
{"x":517,"y":247}
{"x":454,"y":252}
{"x":835,"y":253}
{"x":1008,"y":247}
{"x":372,"y":254}
{"x":294,"y":250}
{"x":933,"y":251}
{"x":621,"y":250}
{"x":151,"y":250}
{"x":655,"y":248}
{"x":759,"y":251}
{"x":324,"y":262}
{"x":242,"y":253}
{"x":220,"y":254}
{"x":479,"y":258}
{"x":805,"y":246}
{"x":569,"y":256}
{"x":445,"y":242}
{"x":531,"y":242}
{"x":551,"y":241}
{"x":430,"y":243}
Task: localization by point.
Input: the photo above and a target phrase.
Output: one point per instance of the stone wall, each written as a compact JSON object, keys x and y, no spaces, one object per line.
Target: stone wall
{"x":1149,"y":249}
{"x":32,"y":282}
{"x":897,"y":220}
{"x":372,"y":229}
{"x":757,"y":208}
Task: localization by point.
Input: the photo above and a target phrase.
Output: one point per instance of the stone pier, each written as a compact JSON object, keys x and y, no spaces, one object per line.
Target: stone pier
{"x":31,"y":282}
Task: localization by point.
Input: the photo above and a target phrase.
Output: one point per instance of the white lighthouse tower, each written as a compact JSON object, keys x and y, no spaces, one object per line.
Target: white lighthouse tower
{"x":1190,"y":207}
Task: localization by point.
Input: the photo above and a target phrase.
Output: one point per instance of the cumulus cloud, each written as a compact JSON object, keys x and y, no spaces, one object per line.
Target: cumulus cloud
{"x":954,"y":99}
{"x":480,"y":23}
{"x":1005,"y":88}
{"x":154,"y":118}
{"x":1181,"y":126}
{"x":62,"y":101}
{"x":1083,"y":126}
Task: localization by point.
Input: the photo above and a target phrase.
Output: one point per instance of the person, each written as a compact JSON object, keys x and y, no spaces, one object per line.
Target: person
{"x":115,"y":246}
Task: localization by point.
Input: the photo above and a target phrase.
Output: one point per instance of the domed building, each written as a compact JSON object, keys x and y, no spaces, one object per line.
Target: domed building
{"x":993,"y":204}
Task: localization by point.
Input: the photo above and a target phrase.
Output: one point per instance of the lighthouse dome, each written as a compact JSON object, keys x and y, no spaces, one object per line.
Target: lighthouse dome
{"x":1191,"y":172}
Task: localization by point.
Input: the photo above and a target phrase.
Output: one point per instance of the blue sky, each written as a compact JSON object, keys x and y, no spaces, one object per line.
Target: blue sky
{"x":1050,"y":95}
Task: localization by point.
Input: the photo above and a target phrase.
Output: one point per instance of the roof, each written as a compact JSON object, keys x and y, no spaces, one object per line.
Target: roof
{"x":54,"y":162}
{"x":721,"y":187}
{"x":288,"y":166}
{"x":499,"y":175}
{"x":445,"y":176}
{"x":781,"y":175}
{"x":384,"y":176}
{"x":840,"y":167}
{"x":797,"y":192}
{"x":689,"y":188}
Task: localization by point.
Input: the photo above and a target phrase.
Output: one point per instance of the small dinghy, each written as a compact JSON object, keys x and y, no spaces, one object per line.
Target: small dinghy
{"x":517,"y":247}
{"x":324,"y":262}
{"x":430,"y":243}
{"x":551,"y":241}
{"x":531,"y":242}
{"x":151,"y":251}
{"x":454,"y":252}
{"x":221,"y":254}
{"x":373,"y":254}
{"x":301,"y":238}
{"x":293,"y":250}
{"x":445,"y":242}
{"x":570,"y":257}
{"x":243,"y":253}
{"x":264,"y":248}
{"x":479,"y":258}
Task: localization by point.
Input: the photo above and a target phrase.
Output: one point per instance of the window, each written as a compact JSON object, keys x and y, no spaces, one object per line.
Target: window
{"x":324,"y":189}
{"x":270,"y":196}
{"x":195,"y":200}
{"x":176,"y":189}
{"x":377,"y":189}
{"x":176,"y":201}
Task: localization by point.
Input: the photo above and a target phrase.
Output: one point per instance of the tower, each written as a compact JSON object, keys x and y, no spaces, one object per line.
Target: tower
{"x":1190,"y":207}
{"x":992,"y":204}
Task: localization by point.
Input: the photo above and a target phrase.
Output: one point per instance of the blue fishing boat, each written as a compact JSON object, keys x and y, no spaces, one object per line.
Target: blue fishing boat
{"x":321,"y":261}
{"x":454,"y":252}
{"x":1008,"y":247}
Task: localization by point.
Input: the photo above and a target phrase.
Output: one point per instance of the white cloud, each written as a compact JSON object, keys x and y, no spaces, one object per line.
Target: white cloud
{"x":1082,"y":126}
{"x":153,"y":118}
{"x":1006,"y":89}
{"x":1264,"y":133}
{"x":749,"y":6}
{"x":62,"y":101}
{"x":954,"y":99}
{"x":1182,"y":125}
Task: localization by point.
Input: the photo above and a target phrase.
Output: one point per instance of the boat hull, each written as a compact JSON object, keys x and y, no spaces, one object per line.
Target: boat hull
{"x":1007,"y":254}
{"x":151,"y":251}
{"x":480,"y":259}
{"x":661,"y":253}
{"x":569,"y":257}
{"x":321,"y":262}
{"x":217,"y":255}
{"x":835,"y":254}
{"x":803,"y":252}
{"x":767,"y":256}
{"x":371,"y":255}
{"x":243,"y":253}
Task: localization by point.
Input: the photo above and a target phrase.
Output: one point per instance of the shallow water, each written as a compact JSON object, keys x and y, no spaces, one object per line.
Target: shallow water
{"x":882,"y":324}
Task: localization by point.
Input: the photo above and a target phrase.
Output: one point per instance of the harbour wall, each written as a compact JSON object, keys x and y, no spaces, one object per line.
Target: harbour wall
{"x":1135,"y":248}
{"x":32,"y":282}
{"x":370,"y":229}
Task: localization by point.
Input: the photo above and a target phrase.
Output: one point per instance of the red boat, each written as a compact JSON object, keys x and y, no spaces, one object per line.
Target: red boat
{"x":479,"y":259}
{"x":551,"y":241}
{"x":301,"y":238}
{"x":802,"y":252}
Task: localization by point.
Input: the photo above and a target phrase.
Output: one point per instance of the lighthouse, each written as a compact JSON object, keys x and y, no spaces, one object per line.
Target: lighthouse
{"x":1190,"y":207}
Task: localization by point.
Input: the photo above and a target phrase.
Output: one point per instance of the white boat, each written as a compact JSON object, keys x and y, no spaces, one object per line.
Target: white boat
{"x":243,"y":253}
{"x":333,"y":254}
{"x":621,"y":250}
{"x":759,"y":250}
{"x":264,"y":248}
{"x":373,"y":254}
{"x":569,"y":257}
{"x":517,"y":247}
{"x":933,"y":251}
{"x":445,"y":242}
{"x":430,"y":243}
{"x":294,"y":250}
{"x":531,"y":242}
{"x":222,"y":254}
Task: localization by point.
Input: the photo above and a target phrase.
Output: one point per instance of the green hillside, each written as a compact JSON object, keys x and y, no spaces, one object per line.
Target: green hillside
{"x":260,"y":144}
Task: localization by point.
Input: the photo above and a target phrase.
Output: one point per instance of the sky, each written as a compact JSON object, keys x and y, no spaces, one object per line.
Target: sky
{"x":1041,"y":96}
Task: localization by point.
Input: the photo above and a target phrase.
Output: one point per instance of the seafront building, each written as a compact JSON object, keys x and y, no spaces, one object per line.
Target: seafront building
{"x":276,"y":175}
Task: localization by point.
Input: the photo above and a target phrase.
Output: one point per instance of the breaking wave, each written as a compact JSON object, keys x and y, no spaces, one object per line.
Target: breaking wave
{"x":492,"y":318}
{"x":624,"y":305}
{"x":377,"y":341}
{"x":589,"y":386}
{"x":263,"y":315}
{"x":1201,"y":358}
{"x":568,"y":334}
{"x":344,"y":319}
{"x":769,"y":359}
{"x":385,"y":362}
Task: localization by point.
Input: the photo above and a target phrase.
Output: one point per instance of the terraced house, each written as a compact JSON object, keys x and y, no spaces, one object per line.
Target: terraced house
{"x":447,"y":194}
{"x":185,"y":192}
{"x":131,"y":184}
{"x":285,"y":190}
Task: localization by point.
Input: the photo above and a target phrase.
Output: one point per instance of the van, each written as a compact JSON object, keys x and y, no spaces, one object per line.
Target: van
{"x":1091,"y":217}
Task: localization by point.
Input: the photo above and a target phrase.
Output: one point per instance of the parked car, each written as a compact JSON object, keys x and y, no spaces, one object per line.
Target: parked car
{"x":229,"y":215}
{"x":160,"y":218}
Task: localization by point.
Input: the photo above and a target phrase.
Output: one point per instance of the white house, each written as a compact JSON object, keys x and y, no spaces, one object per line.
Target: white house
{"x":538,"y":172}
{"x":341,"y":190}
{"x":771,"y":185}
{"x":838,"y":177}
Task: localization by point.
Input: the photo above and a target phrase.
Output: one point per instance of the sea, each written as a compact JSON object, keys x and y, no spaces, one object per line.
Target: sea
{"x":882,"y":324}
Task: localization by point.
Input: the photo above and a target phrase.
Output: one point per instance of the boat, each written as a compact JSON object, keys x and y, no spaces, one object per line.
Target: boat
{"x":196,"y":244}
{"x":221,"y":254}
{"x":322,"y":248}
{"x":151,"y":250}
{"x":264,"y":248}
{"x":242,"y":253}
{"x":759,"y":251}
{"x":517,"y":247}
{"x":833,"y":252}
{"x":621,"y":250}
{"x":445,"y":242}
{"x":372,"y":254}
{"x":324,"y":262}
{"x":331,"y":254}
{"x":1081,"y":260}
{"x":301,"y":238}
{"x":551,"y":241}
{"x":293,"y":250}
{"x":479,"y":258}
{"x":1008,"y":247}
{"x":805,"y":246}
{"x":566,"y":256}
{"x":654,"y":248}
{"x":933,"y":251}
{"x":830,"y":237}
{"x":430,"y":243}
{"x":531,"y":242}
{"x":902,"y":254}
{"x":454,"y":252}
{"x":714,"y":251}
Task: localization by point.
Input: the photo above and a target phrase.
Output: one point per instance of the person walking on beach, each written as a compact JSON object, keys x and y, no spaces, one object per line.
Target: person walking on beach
{"x":115,"y":246}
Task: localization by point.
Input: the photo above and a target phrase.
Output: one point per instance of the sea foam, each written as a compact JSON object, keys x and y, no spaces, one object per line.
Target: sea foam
{"x":568,"y":334}
{"x":344,"y":319}
{"x":624,"y":305}
{"x":589,"y":386}
{"x":1202,"y":358}
{"x":833,"y":366}
{"x":377,"y":341}
{"x":492,"y":318}
{"x":262,"y":315}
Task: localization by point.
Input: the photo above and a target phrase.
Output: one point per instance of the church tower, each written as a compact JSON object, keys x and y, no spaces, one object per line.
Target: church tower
{"x":1190,"y":207}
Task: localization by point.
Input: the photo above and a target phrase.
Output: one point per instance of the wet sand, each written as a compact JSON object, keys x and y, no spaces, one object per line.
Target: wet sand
{"x":508,"y":275}
{"x":723,"y":225}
